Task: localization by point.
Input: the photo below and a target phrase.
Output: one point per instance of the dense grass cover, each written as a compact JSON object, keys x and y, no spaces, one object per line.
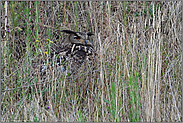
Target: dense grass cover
{"x":138,"y":70}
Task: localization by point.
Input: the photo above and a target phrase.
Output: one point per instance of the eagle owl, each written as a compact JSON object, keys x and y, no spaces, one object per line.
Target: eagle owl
{"x":73,"y":55}
{"x":75,"y":50}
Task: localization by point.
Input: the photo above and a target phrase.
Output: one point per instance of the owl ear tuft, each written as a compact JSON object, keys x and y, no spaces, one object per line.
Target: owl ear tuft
{"x":69,"y":32}
{"x":90,"y":34}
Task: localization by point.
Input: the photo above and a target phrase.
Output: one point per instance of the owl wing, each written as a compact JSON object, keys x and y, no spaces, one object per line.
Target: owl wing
{"x":73,"y":56}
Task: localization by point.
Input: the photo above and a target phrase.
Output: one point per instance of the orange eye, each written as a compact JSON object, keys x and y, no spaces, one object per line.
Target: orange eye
{"x":76,"y":38}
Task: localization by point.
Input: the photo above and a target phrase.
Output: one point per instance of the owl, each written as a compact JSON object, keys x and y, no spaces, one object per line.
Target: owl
{"x":75,"y":50}
{"x":74,"y":57}
{"x":72,"y":60}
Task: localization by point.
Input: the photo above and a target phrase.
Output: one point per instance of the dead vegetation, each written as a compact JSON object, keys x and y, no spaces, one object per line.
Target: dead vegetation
{"x":138,"y":68}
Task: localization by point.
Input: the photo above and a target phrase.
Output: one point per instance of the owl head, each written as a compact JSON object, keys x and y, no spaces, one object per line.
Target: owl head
{"x":79,"y":37}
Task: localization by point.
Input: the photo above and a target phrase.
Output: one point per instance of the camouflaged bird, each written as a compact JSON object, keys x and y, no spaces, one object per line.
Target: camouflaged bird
{"x":74,"y":57}
{"x":74,"y":51}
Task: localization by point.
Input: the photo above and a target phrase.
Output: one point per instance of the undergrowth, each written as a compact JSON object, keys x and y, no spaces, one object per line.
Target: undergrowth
{"x":137,"y":76}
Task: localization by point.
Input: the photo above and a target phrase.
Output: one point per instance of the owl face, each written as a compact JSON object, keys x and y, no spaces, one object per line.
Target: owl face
{"x":79,"y":37}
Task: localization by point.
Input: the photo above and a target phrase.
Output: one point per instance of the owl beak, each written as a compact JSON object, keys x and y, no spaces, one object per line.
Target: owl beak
{"x":85,"y":41}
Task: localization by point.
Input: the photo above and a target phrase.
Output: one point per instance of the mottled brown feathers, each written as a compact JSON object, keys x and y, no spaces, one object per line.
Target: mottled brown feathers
{"x":74,"y":50}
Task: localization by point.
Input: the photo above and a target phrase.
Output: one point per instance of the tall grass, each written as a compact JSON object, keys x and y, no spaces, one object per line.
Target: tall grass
{"x":137,"y":76}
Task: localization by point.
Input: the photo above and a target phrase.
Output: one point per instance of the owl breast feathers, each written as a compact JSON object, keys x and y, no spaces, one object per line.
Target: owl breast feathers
{"x":74,"y":50}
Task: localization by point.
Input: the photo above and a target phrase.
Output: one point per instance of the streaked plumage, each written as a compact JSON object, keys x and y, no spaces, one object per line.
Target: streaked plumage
{"x":74,"y":51}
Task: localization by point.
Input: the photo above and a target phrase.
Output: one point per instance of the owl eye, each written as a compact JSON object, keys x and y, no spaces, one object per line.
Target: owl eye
{"x":76,"y":37}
